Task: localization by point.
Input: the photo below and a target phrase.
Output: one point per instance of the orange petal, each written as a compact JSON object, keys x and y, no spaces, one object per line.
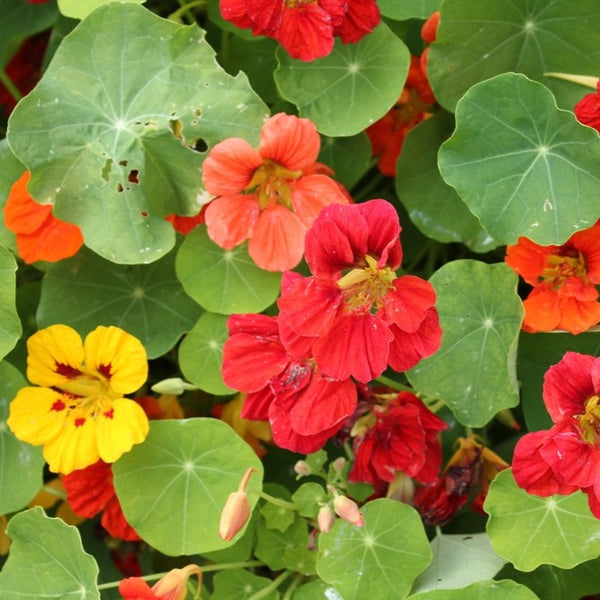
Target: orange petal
{"x":22,"y":214}
{"x":55,"y":240}
{"x":528,"y":259}
{"x":542,"y":310}
{"x":312,"y":193}
{"x":231,"y":219}
{"x":277,"y":243}
{"x":290,"y":141}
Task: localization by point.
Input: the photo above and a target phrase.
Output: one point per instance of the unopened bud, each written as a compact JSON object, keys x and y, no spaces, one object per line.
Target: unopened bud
{"x":173,"y":584}
{"x":338,"y":464}
{"x":346,"y":509}
{"x":302,"y":468}
{"x":325,"y":518}
{"x":174,"y":385}
{"x":236,"y":511}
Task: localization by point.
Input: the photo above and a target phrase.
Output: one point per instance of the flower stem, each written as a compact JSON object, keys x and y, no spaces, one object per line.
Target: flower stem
{"x":274,"y":500}
{"x":58,"y":493}
{"x":271,"y":587}
{"x":297,"y":581}
{"x":204,"y":569}
{"x":10,"y":86}
{"x":185,"y":10}
{"x":395,"y":385}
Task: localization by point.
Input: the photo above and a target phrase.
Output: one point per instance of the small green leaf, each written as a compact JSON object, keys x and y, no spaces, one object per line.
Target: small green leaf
{"x":277,"y":517}
{"x":483,"y":590}
{"x":450,"y":555}
{"x":408,"y":9}
{"x":301,"y":559}
{"x":147,"y":301}
{"x":480,"y":316}
{"x":522,"y":165}
{"x":433,"y":206}
{"x":224,"y":281}
{"x":21,"y":465}
{"x":239,"y":584}
{"x":476,"y":41}
{"x":355,"y":85}
{"x":10,"y":324}
{"x":46,"y":560}
{"x":271,"y":544}
{"x":388,"y":552}
{"x":173,"y":494}
{"x":201,"y":353}
{"x":80,"y":9}
{"x":110,"y":131}
{"x":308,"y":498}
{"x":530,"y":530}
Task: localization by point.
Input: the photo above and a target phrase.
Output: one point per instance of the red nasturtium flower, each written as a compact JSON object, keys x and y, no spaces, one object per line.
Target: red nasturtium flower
{"x":40,"y":235}
{"x":269,"y":196}
{"x":587,"y":110}
{"x":356,"y":312}
{"x":414,"y":105}
{"x":564,"y":280}
{"x":305,"y":28}
{"x":283,"y":385}
{"x":567,"y":456}
{"x":399,"y":433}
{"x":171,"y":587}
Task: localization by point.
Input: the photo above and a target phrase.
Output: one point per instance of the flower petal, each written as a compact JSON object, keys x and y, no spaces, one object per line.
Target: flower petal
{"x":22,"y":214}
{"x":230,"y":220}
{"x":384,"y":231}
{"x":75,"y":447}
{"x":312,"y":193}
{"x":408,"y":303}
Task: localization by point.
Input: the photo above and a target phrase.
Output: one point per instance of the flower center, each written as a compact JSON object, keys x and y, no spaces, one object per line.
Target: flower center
{"x":589,"y":421}
{"x":560,"y":267}
{"x":366,"y":286}
{"x":271,"y":183}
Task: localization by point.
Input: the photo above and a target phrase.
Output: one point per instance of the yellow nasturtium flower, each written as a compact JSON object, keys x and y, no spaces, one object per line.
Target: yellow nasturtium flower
{"x":79,"y":413}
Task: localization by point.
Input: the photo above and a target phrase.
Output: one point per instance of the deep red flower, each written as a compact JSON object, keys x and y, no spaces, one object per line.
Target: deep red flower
{"x":91,"y":491}
{"x":564,"y":280}
{"x":587,"y":110}
{"x":471,"y":466}
{"x":357,"y":314}
{"x":361,"y":17}
{"x":283,"y":386}
{"x":413,"y":106}
{"x":398,"y":434}
{"x":567,"y":456}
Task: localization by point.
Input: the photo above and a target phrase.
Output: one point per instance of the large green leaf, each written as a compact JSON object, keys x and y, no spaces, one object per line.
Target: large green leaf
{"x":477,"y":40}
{"x":474,"y":371}
{"x":224,"y":281}
{"x":408,"y":9}
{"x":79,"y":9}
{"x":10,"y":324}
{"x":110,"y":131}
{"x":148,"y":301}
{"x":537,"y":353}
{"x":450,"y":555}
{"x":483,"y":590}
{"x":434,"y":207}
{"x":201,"y":353}
{"x":523,"y":166}
{"x":530,"y":530}
{"x":388,"y":552}
{"x":173,"y":493}
{"x":352,"y":87}
{"x":21,"y":465}
{"x":46,"y":560}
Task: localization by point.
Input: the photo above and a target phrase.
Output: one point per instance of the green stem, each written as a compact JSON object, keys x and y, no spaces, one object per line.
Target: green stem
{"x":297,"y":581}
{"x":10,"y":86}
{"x":274,"y":500}
{"x":204,"y":569}
{"x":185,"y":10}
{"x":395,"y":385}
{"x":60,"y":494}
{"x":271,"y":587}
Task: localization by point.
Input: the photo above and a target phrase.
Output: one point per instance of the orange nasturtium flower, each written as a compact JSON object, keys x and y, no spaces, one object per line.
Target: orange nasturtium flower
{"x":269,"y":196}
{"x":564,"y":280}
{"x":40,"y":235}
{"x":171,"y":587}
{"x":79,"y":413}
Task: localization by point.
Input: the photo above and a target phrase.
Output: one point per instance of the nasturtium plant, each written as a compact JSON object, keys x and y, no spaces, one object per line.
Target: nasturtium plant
{"x":300,"y":300}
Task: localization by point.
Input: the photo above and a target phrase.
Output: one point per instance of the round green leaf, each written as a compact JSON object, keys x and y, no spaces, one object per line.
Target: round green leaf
{"x":147,"y":301}
{"x":530,"y":530}
{"x":308,"y":498}
{"x":272,"y":544}
{"x":110,"y":131}
{"x":239,"y":584}
{"x":80,"y":9}
{"x":407,"y":9}
{"x":476,"y":41}
{"x":483,"y":590}
{"x":480,"y":316}
{"x":523,"y":166}
{"x":451,"y":553}
{"x":433,"y":206}
{"x":224,"y":281}
{"x":174,"y":486}
{"x":201,"y":353}
{"x":352,"y":87}
{"x":21,"y":465}
{"x":388,"y":552}
{"x":46,"y":560}
{"x":10,"y":324}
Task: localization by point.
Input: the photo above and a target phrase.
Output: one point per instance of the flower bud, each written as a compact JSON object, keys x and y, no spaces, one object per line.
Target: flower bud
{"x":345,"y":508}
{"x":170,"y":587}
{"x":338,"y":464}
{"x":174,"y":385}
{"x":325,"y":518}
{"x":236,"y":511}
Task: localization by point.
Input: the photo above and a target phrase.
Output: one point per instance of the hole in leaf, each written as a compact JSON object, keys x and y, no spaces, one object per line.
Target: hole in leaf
{"x":200,"y":145}
{"x":123,"y":163}
{"x":133,"y":176}
{"x":106,"y":169}
{"x":176,"y":127}
{"x":197,"y":112}
{"x":119,"y":188}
